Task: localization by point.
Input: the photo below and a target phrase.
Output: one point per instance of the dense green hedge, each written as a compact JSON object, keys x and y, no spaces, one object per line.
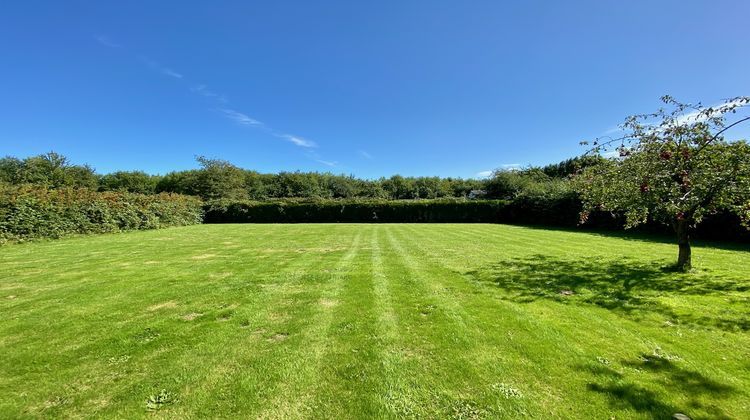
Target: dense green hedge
{"x":404,"y":211}
{"x":527,"y":210}
{"x":556,"y":210}
{"x":28,"y":212}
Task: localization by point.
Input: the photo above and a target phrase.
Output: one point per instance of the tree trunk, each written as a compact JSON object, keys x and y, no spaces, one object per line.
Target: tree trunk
{"x":684,"y":259}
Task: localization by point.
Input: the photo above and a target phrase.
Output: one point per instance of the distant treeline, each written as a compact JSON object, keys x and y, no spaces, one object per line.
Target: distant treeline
{"x":47,"y":196}
{"x":218,"y":179}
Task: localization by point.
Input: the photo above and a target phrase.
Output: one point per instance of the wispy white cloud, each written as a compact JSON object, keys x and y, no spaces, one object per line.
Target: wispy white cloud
{"x":298,"y":141}
{"x":688,"y":118}
{"x":203,"y":90}
{"x":244,"y":119}
{"x":698,"y":116}
{"x":221,"y":102}
{"x":613,"y":130}
{"x":503,"y":167}
{"x":327,"y":163}
{"x":313,"y":155}
{"x":240,"y":118}
{"x":105,"y":41}
{"x":171,"y":73}
{"x":161,"y":69}
{"x":365,"y":155}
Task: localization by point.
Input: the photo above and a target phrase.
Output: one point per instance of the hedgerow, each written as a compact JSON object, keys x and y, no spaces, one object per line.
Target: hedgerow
{"x":29,"y":212}
{"x":333,"y":211}
{"x":542,"y":208}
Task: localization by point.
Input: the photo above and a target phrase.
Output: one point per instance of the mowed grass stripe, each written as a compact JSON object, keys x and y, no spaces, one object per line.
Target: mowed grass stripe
{"x":439,"y":334}
{"x":253,"y":365}
{"x":504,"y":334}
{"x":245,"y":365}
{"x":294,"y":397}
{"x":171,"y":336}
{"x":393,"y":391}
{"x":611,"y":335}
{"x":350,"y":375}
{"x":498,"y":335}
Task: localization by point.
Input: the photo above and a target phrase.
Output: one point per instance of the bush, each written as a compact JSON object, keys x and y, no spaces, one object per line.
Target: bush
{"x":29,"y":212}
{"x":552,"y":202}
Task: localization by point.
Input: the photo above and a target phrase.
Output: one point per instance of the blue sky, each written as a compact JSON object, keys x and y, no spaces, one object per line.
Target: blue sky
{"x":449,"y":88}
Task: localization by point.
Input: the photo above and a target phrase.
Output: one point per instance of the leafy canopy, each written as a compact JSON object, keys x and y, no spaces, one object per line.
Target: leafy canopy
{"x":672,"y":165}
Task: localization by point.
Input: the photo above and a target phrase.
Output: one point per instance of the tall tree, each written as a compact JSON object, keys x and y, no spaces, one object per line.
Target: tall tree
{"x":131,"y":181}
{"x":52,"y":170}
{"x":673,"y":166}
{"x":219,"y":179}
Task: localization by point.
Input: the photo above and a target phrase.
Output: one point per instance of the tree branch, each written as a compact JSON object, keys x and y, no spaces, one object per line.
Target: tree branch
{"x":728,"y":127}
{"x":599,"y":146}
{"x":716,"y":136}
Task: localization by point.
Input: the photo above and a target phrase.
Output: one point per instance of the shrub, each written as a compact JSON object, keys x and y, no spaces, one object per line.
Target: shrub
{"x":29,"y":212}
{"x":552,"y":202}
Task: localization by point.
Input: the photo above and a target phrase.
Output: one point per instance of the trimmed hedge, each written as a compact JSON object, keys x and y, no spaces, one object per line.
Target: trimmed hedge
{"x":523,"y":210}
{"x":29,"y":212}
{"x":402,"y":211}
{"x":555,"y":211}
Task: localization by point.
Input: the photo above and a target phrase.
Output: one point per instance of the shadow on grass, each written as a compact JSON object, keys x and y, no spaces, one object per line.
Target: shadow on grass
{"x":652,"y":383}
{"x":642,"y":235}
{"x":627,"y":287}
{"x":625,"y":394}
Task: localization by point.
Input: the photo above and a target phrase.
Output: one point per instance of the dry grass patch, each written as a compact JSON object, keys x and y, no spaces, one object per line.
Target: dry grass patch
{"x":328,"y":303}
{"x":191,"y":316}
{"x":278,"y":337}
{"x":170,"y":304}
{"x":202,"y":256}
{"x":278,"y":317}
{"x":220,"y":276}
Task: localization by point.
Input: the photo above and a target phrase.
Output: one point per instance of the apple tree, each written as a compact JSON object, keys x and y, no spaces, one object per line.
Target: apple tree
{"x":673,"y":166}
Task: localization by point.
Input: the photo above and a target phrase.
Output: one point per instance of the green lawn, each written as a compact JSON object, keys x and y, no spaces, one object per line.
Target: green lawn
{"x":352,"y":321}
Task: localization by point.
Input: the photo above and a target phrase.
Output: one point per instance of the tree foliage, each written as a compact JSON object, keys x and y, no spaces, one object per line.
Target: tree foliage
{"x":51,"y":170}
{"x":219,"y":179}
{"x":130,"y":181}
{"x":571,"y":166}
